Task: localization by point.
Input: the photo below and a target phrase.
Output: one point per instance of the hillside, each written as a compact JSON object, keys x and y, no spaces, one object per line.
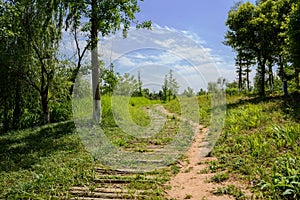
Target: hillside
{"x":258,"y":149}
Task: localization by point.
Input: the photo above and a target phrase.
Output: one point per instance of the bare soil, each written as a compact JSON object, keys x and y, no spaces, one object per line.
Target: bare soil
{"x":192,"y":181}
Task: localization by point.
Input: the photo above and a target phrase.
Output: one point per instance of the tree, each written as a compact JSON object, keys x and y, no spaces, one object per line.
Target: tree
{"x":244,"y":61}
{"x":294,"y":38}
{"x":127,"y":85}
{"x":201,"y":92}
{"x":165,"y":86}
{"x":189,"y":92}
{"x":34,"y":29}
{"x":109,"y":80}
{"x":105,"y":17}
{"x":140,"y":84}
{"x":10,"y":104}
{"x":241,"y":37}
{"x":173,"y":86}
{"x":43,"y":29}
{"x":212,"y":87}
{"x":258,"y":30}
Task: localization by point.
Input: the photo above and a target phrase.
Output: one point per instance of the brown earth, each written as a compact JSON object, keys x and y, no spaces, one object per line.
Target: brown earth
{"x":192,"y":181}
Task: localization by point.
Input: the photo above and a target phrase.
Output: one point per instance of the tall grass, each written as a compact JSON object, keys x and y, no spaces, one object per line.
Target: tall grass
{"x":43,"y":163}
{"x":261,"y":144}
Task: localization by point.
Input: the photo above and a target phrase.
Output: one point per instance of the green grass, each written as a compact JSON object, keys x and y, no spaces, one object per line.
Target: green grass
{"x":135,"y":112}
{"x":42,"y":163}
{"x":126,"y":110}
{"x":220,"y":177}
{"x":230,"y":190}
{"x":261,"y":143}
{"x":188,"y":108}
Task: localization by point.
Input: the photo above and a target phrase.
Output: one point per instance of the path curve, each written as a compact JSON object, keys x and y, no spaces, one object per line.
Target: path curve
{"x":189,"y":183}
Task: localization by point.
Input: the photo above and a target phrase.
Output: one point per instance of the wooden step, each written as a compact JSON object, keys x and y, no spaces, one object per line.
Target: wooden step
{"x":121,"y":181}
{"x":91,"y":198}
{"x":107,"y":190}
{"x":107,"y":195}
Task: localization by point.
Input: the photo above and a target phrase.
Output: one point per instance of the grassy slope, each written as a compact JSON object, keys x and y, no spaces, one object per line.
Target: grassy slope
{"x":259,"y":143}
{"x":42,"y":162}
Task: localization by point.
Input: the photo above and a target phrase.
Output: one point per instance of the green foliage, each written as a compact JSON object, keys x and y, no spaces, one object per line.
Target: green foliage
{"x":230,"y":190}
{"x":189,"y":92}
{"x":109,"y":80}
{"x":43,"y":163}
{"x":294,"y":37}
{"x":169,"y":88}
{"x":127,"y":85}
{"x":60,"y":106}
{"x":117,"y":15}
{"x":201,"y":92}
{"x":218,"y":178}
{"x":285,"y":180}
{"x":248,"y":27}
{"x":286,"y":137}
{"x":261,"y":144}
{"x":29,"y":63}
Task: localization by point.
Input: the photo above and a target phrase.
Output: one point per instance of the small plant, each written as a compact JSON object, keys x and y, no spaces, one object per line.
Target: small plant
{"x":188,"y":170}
{"x":188,"y":196}
{"x":285,"y":181}
{"x":230,"y":190}
{"x":213,"y":166}
{"x":218,"y":178}
{"x":203,"y":171}
{"x":175,"y":169}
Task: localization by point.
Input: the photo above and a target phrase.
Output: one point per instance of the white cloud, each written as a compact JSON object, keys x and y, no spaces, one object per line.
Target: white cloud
{"x":181,"y":51}
{"x":155,"y":52}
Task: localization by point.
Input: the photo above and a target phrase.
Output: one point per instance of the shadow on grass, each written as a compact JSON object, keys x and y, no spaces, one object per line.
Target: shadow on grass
{"x":288,"y":105}
{"x":23,"y":149}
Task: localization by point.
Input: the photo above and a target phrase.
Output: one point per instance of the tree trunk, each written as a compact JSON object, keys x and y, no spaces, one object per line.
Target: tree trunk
{"x":283,"y":76}
{"x":297,"y":71}
{"x":17,"y":108}
{"x":73,"y":79}
{"x":95,"y":65}
{"x":240,"y":78}
{"x":262,"y":65}
{"x":5,"y":115}
{"x":45,"y":106}
{"x":271,"y":79}
{"x":247,"y":77}
{"x":285,"y":88}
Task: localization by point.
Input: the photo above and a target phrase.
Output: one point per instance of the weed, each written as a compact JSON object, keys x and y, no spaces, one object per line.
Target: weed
{"x":188,"y":170}
{"x":188,"y":196}
{"x":43,"y":163}
{"x":213,"y":166}
{"x":285,"y":180}
{"x":260,"y":142}
{"x":175,"y":169}
{"x":230,"y":190}
{"x":218,"y":178}
{"x":203,"y":171}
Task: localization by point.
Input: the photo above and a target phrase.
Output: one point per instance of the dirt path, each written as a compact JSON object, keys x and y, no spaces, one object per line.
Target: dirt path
{"x":192,"y":181}
{"x":189,"y":183}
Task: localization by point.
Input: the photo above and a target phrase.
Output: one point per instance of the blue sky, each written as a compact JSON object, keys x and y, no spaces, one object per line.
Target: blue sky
{"x":203,"y":17}
{"x":191,"y":28}
{"x":206,"y":18}
{"x":187,"y":37}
